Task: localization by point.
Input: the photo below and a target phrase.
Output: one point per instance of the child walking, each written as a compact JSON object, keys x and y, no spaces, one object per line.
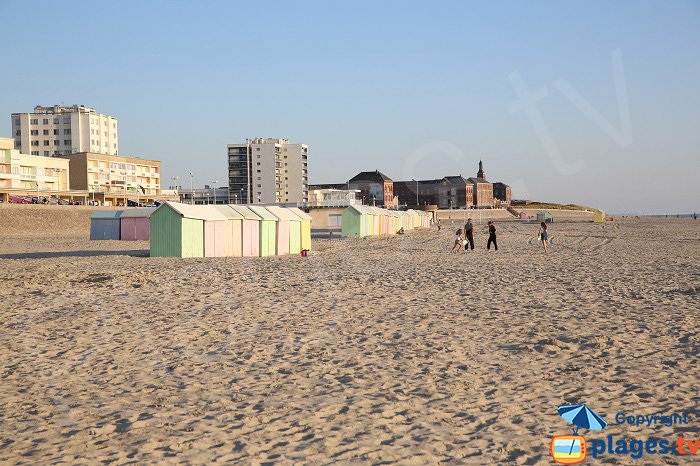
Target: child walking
{"x":543,"y":235}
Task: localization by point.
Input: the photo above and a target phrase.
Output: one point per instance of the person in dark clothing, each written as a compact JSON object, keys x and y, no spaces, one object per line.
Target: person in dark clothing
{"x":492,"y":237}
{"x":469,"y":235}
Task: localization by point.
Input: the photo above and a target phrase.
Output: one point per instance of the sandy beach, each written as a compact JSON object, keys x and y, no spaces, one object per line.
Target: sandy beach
{"x":370,"y":351}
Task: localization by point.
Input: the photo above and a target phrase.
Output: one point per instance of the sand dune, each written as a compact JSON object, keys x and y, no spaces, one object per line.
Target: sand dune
{"x":369,"y":351}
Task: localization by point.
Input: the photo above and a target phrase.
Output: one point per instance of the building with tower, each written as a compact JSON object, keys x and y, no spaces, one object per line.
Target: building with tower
{"x":482,"y":190}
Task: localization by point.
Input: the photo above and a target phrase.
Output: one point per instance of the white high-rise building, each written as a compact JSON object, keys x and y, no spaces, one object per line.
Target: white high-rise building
{"x":268,"y":171}
{"x":61,"y":130}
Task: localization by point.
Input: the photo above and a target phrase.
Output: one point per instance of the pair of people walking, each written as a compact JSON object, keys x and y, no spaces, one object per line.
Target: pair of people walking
{"x":466,"y":237}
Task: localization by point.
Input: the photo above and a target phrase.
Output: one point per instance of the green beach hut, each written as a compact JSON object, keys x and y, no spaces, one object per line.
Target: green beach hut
{"x":268,"y":229}
{"x":544,"y":216}
{"x":177,"y":230}
{"x":357,"y":221}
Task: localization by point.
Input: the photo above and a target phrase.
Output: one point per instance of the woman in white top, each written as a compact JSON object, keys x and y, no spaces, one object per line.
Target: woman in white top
{"x":458,"y":241}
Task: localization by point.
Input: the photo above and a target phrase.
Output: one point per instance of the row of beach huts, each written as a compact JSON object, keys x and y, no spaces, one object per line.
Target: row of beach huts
{"x":183,"y":230}
{"x":362,"y":220}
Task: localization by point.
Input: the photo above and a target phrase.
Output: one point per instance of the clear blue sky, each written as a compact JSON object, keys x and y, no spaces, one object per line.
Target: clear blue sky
{"x":414,"y":89}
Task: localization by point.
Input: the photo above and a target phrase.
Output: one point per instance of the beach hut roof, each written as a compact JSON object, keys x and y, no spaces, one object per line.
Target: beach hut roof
{"x":283,"y":214}
{"x":300,"y":213}
{"x":140,"y":212}
{"x":262,"y":212}
{"x":228,"y":212}
{"x":199,"y":212}
{"x":106,"y":214}
{"x":363,"y":209}
{"x":245,"y":212}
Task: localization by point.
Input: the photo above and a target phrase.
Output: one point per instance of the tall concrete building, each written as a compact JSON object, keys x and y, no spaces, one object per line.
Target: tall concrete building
{"x":61,"y":130}
{"x":267,"y":171}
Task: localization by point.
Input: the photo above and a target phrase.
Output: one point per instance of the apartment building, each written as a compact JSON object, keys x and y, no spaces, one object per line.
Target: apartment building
{"x":268,"y":171}
{"x":27,"y":175}
{"x":114,"y":179}
{"x":62,"y":130}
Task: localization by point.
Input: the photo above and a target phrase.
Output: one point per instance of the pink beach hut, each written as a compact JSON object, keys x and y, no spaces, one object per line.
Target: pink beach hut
{"x":250,"y":234}
{"x":135,"y":224}
{"x":233,"y":244}
{"x":214,"y":231}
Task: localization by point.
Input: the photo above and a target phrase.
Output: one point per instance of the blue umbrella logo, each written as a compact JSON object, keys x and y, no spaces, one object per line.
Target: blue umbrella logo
{"x":582,"y":417}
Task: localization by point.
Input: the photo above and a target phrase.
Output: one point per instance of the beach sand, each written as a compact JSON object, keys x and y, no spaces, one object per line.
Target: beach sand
{"x":369,"y":351}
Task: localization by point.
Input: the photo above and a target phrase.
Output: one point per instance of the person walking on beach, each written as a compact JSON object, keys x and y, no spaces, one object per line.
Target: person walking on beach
{"x":458,"y":241}
{"x":543,"y":235}
{"x":469,"y":235}
{"x":439,"y":226}
{"x":492,"y":237}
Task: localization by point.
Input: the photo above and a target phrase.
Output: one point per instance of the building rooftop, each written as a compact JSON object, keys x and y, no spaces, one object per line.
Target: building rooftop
{"x":375,"y":176}
{"x":472,"y":179}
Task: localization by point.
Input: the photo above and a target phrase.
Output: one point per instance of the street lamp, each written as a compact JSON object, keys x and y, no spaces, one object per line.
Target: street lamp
{"x":215,"y":182}
{"x":416,"y":191}
{"x":37,"y":192}
{"x":175,"y":179}
{"x":235,"y":198}
{"x":208,"y":194}
{"x":192,"y":188}
{"x":241,"y":195}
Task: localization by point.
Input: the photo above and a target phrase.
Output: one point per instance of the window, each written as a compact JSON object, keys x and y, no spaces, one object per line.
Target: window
{"x":46,"y":143}
{"x":67,"y":142}
{"x":46,"y":153}
{"x":257,"y":149}
{"x":56,"y":142}
{"x":259,"y":186}
{"x":114,"y":125}
{"x":258,"y":163}
{"x":45,"y":121}
{"x":66,"y":131}
{"x":55,"y":121}
{"x":34,"y":132}
{"x":34,"y":121}
{"x":35,"y":152}
{"x":257,"y":171}
{"x":92,"y":131}
{"x":335,"y":220}
{"x":17,"y":122}
{"x":35,"y":143}
{"x":46,"y":132}
{"x":115,"y":145}
{"x":66,"y":120}
{"x":55,"y":131}
{"x":18,"y":132}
